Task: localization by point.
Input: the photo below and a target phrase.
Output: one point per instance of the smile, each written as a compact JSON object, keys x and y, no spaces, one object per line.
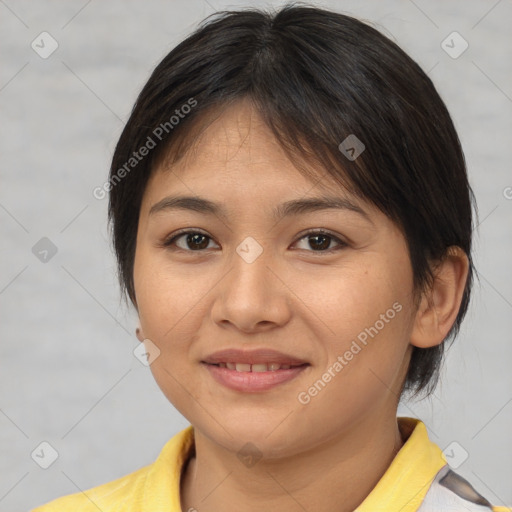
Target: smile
{"x":253,"y":378}
{"x":261,"y":367}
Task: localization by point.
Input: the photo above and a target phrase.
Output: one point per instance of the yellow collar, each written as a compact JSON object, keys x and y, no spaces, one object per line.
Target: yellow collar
{"x":407,"y":480}
{"x":401,"y":488}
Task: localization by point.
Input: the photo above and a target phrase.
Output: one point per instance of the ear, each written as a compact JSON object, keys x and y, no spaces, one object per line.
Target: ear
{"x":440,"y":304}
{"x":139,"y":334}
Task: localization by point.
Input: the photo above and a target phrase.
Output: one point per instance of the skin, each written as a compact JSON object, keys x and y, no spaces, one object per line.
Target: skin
{"x":293,"y":298}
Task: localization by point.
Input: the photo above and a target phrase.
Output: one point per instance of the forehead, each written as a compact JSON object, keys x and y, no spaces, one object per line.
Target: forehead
{"x":234,"y":163}
{"x":233,"y":144}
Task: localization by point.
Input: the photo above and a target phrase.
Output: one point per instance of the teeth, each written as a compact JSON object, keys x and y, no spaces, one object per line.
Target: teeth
{"x":260,"y":367}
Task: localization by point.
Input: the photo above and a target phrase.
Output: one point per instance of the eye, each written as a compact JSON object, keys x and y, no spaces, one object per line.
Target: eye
{"x":194,"y":241}
{"x":197,"y":241}
{"x":320,"y":240}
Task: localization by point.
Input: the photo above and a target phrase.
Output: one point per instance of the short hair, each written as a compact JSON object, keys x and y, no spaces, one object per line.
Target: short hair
{"x":316,"y":77}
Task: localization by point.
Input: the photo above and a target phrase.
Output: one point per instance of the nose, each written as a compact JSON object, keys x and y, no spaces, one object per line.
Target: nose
{"x":252,"y":296}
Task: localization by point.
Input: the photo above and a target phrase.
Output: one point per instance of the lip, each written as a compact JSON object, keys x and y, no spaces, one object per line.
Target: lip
{"x":253,"y":382}
{"x":255,"y":356}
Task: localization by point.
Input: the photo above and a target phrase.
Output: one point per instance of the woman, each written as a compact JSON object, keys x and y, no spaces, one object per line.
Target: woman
{"x":292,"y":220}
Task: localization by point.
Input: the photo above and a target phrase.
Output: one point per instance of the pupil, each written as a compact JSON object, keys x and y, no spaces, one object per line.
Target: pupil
{"x":322,"y":246}
{"x":193,"y":239}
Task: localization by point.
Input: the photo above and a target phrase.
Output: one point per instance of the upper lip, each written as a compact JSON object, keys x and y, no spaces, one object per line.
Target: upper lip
{"x":259,"y":356}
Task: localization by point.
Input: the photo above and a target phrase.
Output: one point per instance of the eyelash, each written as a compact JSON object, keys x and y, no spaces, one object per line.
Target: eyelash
{"x":175,"y":236}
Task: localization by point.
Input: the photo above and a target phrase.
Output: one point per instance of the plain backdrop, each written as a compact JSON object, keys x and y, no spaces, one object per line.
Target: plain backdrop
{"x":68,"y":375}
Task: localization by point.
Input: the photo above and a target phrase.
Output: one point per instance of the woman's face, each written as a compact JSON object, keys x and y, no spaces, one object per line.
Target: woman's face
{"x":249,"y":280}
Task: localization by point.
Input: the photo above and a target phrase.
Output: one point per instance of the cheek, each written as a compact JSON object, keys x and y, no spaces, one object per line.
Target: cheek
{"x":369,"y":312}
{"x":169,"y":301}
{"x":366,"y":362}
{"x":359,"y":297}
{"x":168,"y":309}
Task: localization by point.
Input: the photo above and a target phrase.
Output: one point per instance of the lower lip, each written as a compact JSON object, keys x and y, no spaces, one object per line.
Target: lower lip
{"x":251,"y":382}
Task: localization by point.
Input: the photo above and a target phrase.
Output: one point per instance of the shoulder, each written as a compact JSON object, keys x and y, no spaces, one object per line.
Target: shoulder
{"x":450,"y":492}
{"x":108,"y":497}
{"x":150,"y":488}
{"x":420,"y":479}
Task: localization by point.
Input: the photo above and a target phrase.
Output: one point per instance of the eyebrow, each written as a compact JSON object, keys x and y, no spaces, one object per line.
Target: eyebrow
{"x":286,"y":209}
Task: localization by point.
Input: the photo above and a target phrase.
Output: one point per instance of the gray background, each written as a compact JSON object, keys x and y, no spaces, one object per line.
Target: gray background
{"x":68,"y":375}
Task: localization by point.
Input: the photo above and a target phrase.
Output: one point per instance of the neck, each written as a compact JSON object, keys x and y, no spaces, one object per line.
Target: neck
{"x":335,"y":475}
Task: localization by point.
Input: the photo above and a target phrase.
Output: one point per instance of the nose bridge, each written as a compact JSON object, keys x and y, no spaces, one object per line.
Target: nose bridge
{"x":250,"y":293}
{"x":249,"y":268}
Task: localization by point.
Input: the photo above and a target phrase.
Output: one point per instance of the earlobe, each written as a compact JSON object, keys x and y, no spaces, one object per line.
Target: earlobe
{"x":440,"y":304}
{"x":139,"y":334}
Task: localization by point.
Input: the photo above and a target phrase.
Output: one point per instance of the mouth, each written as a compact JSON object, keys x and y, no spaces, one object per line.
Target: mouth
{"x":253,"y":378}
{"x":245,"y":360}
{"x":259,"y":367}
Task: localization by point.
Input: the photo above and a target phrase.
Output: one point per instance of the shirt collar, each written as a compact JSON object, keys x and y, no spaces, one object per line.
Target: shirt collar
{"x":402,"y":488}
{"x":407,"y":480}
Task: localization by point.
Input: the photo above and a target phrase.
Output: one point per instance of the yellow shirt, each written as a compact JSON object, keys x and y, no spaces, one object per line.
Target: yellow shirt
{"x":412,"y":483}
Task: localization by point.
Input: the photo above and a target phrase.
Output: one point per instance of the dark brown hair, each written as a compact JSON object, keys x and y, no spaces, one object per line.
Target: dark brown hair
{"x":316,"y":77}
